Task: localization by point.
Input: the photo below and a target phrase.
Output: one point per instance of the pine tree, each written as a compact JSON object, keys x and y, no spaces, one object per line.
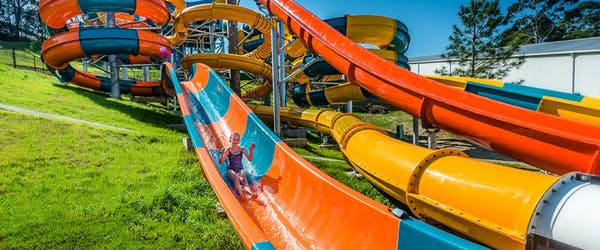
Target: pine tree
{"x":582,"y":21}
{"x":476,"y":42}
{"x":536,"y":21}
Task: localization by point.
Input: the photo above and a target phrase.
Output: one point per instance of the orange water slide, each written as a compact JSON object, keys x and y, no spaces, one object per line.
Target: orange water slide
{"x":298,"y":206}
{"x":546,"y":141}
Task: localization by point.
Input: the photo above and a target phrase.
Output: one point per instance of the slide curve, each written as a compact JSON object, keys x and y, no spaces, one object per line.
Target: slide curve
{"x":298,"y":206}
{"x":549,"y":142}
{"x":62,"y":48}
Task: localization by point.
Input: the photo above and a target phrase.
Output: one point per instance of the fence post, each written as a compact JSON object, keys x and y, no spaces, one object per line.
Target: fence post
{"x":14,"y":57}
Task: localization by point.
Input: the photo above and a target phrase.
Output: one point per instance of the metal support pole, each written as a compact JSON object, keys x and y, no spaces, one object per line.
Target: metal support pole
{"x":85,"y":63}
{"x":146,"y":70}
{"x":115,"y":88}
{"x":106,"y":69}
{"x":573,"y":56}
{"x":275,"y":66}
{"x":124,"y":74}
{"x":400,"y":132}
{"x":174,"y":103}
{"x":349,"y":106}
{"x":415,"y":139}
{"x":324,"y":139}
{"x":281,"y":68}
{"x":432,"y":138}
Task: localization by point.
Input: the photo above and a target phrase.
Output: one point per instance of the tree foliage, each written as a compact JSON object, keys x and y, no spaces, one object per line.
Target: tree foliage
{"x":582,"y":21}
{"x":19,"y":20}
{"x":537,"y":21}
{"x":476,"y":43}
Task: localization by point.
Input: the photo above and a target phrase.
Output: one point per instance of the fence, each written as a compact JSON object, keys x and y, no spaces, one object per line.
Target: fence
{"x":21,"y":55}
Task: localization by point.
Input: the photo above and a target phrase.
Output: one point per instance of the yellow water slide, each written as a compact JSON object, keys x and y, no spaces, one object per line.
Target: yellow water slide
{"x":232,"y":61}
{"x":251,"y":62}
{"x":580,"y":108}
{"x":493,"y":204}
{"x":587,"y":110}
{"x":461,"y":82}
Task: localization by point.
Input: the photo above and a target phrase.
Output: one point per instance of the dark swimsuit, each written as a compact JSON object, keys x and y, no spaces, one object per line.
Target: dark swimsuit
{"x":235,"y":161}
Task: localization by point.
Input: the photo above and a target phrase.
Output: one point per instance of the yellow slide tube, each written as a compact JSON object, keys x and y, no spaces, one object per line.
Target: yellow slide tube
{"x":232,"y":61}
{"x":490,"y":203}
{"x":343,"y":92}
{"x":179,"y":6}
{"x":223,"y":12}
{"x":361,"y":29}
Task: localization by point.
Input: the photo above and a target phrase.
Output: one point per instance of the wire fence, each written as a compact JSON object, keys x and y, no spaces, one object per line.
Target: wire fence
{"x":19,"y":55}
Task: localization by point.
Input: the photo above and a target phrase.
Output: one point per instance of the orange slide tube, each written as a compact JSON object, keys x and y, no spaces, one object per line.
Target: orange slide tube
{"x":55,"y":13}
{"x":543,"y":140}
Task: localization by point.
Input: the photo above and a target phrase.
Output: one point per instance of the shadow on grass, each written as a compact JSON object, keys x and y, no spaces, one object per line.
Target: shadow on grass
{"x":473,"y":150}
{"x":152,"y":117}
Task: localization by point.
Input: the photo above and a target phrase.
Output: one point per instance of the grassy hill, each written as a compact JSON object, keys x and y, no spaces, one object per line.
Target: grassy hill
{"x":65,"y":184}
{"x":72,"y":185}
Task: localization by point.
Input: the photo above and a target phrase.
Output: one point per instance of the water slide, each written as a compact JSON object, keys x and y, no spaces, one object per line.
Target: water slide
{"x":65,"y":47}
{"x":298,"y":207}
{"x":298,"y":204}
{"x":387,"y":37}
{"x":549,"y":142}
{"x":251,"y":62}
{"x":571,"y":106}
{"x":497,"y":205}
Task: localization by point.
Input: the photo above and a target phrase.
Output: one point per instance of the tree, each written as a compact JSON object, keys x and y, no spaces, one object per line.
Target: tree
{"x":19,"y":19}
{"x":582,"y":21}
{"x":476,"y":43}
{"x":536,"y":21}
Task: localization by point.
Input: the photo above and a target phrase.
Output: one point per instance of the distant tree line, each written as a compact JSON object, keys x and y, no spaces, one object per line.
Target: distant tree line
{"x":485,"y":41}
{"x":19,"y":20}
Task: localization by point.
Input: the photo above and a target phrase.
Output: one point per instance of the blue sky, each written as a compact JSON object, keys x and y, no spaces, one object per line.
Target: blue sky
{"x":429,"y":21}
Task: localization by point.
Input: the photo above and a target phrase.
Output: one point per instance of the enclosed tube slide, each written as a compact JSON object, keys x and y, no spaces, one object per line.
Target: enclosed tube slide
{"x":549,"y":142}
{"x":62,"y":48}
{"x":499,"y":206}
{"x":389,"y":35}
{"x":298,"y":206}
{"x":303,"y":96}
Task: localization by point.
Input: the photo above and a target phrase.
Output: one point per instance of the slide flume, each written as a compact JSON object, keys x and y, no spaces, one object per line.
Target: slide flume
{"x":549,"y":142}
{"x":65,"y":47}
{"x":298,"y":206}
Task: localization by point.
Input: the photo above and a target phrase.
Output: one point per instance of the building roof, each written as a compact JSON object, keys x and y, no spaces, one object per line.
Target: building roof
{"x":575,"y":45}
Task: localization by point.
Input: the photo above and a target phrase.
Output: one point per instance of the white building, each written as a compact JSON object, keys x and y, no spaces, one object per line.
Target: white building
{"x":571,"y":66}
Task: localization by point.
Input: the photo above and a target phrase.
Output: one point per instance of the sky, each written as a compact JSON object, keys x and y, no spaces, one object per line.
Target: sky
{"x":429,"y":21}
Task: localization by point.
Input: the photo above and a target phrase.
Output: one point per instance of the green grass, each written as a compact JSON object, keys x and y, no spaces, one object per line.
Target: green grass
{"x":26,"y":54}
{"x":342,"y":171}
{"x":67,"y":185}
